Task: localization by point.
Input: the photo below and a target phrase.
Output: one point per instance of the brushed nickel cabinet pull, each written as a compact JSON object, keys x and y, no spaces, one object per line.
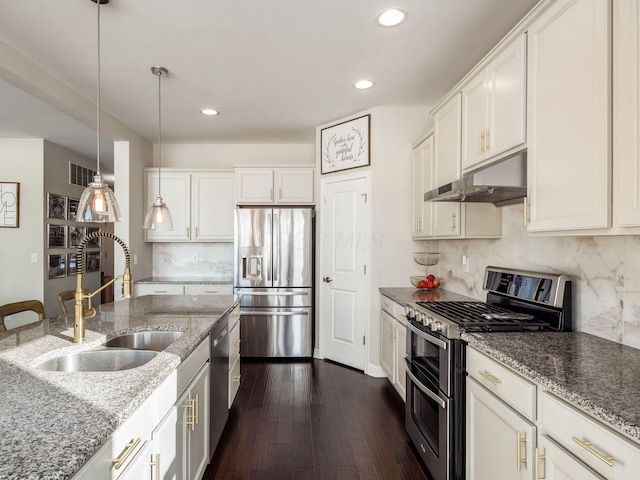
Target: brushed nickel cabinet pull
{"x":126,"y":452}
{"x":520,"y":441}
{"x":588,"y":446}
{"x":539,"y":457}
{"x":490,"y":378}
{"x":155,"y":467}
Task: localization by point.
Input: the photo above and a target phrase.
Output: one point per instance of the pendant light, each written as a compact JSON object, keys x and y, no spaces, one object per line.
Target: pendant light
{"x":158,"y":216}
{"x":98,"y":203}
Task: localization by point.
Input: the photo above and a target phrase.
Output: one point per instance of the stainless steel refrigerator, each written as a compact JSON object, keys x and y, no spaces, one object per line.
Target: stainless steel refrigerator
{"x":274,"y":274}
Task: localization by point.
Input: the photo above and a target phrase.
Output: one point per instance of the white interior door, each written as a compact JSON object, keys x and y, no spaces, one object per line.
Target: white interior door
{"x":344,"y":253}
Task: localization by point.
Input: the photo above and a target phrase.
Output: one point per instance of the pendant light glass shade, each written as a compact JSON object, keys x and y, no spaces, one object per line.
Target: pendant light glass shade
{"x":98,"y":202}
{"x":158,"y":216}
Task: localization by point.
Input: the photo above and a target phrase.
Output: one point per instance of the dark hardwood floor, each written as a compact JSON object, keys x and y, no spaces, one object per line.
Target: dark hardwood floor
{"x":314,"y":420}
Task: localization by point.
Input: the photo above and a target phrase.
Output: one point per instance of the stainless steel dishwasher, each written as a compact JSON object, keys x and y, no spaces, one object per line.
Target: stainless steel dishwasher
{"x":218,"y":381}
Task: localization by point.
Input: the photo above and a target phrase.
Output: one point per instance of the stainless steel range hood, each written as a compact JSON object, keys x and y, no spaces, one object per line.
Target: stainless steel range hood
{"x":502,"y":183}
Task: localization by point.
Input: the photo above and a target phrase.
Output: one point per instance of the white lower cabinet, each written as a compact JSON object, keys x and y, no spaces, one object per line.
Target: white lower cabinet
{"x":166,"y":437}
{"x":234,"y":354}
{"x":500,"y":443}
{"x":393,"y":343}
{"x":141,"y":289}
{"x":510,"y":435}
{"x":552,"y":462}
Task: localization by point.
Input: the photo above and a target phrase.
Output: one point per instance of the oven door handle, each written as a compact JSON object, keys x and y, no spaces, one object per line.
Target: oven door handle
{"x":422,"y":388}
{"x":427,"y":337}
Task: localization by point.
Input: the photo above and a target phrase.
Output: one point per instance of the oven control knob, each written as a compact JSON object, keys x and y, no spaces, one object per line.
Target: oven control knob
{"x":411,"y":313}
{"x":428,"y":320}
{"x":436,"y":326}
{"x":420,"y":317}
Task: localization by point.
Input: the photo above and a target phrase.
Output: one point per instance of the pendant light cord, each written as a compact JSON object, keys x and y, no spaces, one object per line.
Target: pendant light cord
{"x":159,"y":132}
{"x":98,"y":98}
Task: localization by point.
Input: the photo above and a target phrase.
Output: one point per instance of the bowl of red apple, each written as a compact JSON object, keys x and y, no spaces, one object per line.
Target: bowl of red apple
{"x":430,"y":282}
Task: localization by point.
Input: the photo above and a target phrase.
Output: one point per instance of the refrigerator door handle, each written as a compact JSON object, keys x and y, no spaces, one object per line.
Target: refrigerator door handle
{"x":276,"y":248}
{"x":266,"y":294}
{"x":261,"y":313}
{"x":268,"y":235}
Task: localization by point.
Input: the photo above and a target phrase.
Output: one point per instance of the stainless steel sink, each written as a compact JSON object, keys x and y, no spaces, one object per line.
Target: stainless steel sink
{"x":156,"y":340}
{"x":99,"y":361}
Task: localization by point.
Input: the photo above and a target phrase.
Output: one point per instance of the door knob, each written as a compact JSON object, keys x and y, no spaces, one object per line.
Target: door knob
{"x":327,"y":279}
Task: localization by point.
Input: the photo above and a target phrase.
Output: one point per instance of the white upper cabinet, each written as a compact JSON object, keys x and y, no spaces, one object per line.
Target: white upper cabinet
{"x":422,"y":174}
{"x":569,"y":117}
{"x":176,"y":193}
{"x":446,"y":122}
{"x":494,"y":107}
{"x":269,"y":186}
{"x":200,"y":203}
{"x":626,"y":113}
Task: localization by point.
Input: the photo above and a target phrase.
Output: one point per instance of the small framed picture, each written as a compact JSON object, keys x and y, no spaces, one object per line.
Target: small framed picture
{"x":92,"y":262}
{"x":9,"y":204}
{"x":57,"y":265}
{"x":94,"y":243}
{"x":72,"y":263}
{"x":57,"y":236}
{"x":75,"y":235}
{"x":56,"y":206}
{"x":73,"y":209}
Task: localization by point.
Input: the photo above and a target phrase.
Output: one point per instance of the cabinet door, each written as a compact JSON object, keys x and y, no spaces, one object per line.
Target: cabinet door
{"x":446,"y":215}
{"x":474,"y":121}
{"x":254,"y":185}
{"x":401,"y":352}
{"x":422,"y":169}
{"x":294,"y":185}
{"x":176,"y":193}
{"x":212,"y":212}
{"x":568,"y":117}
{"x":506,"y":80}
{"x":199,"y":432}
{"x":387,"y":336}
{"x":500,"y":443}
{"x":626,"y":111}
{"x":168,"y":445}
{"x":555,"y":463}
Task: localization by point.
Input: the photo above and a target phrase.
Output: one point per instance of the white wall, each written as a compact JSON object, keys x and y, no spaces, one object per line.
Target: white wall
{"x":605,"y":272}
{"x":21,"y":160}
{"x":226,"y":156}
{"x":393,"y":130}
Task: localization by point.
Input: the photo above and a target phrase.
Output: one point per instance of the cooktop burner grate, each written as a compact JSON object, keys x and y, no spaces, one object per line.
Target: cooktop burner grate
{"x":482,"y":316}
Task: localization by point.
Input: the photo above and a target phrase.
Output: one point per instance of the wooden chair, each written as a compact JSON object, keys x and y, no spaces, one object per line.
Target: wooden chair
{"x":17,"y":307}
{"x":70,"y":295}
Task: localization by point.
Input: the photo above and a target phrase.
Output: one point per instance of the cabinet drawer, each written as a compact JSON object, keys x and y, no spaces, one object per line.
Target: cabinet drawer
{"x":234,"y":381}
{"x":234,"y":344}
{"x":507,"y":385}
{"x":234,"y":317}
{"x":604,"y":450}
{"x":159,"y":289}
{"x":209,"y":290}
{"x":387,"y":305}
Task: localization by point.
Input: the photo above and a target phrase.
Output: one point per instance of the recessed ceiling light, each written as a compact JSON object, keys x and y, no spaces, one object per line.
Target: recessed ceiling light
{"x":391,"y":17}
{"x":363,"y":84}
{"x":209,"y":111}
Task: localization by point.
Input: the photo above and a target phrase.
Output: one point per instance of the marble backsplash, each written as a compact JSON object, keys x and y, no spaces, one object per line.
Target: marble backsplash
{"x":193,"y":260}
{"x":605,"y":272}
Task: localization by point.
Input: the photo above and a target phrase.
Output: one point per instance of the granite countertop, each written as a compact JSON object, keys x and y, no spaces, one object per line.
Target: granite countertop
{"x":188,"y":280}
{"x":404,"y":296}
{"x":600,"y":376}
{"x":52,"y":422}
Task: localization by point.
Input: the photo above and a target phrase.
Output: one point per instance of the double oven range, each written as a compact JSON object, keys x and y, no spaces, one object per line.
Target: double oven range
{"x":435,"y":362}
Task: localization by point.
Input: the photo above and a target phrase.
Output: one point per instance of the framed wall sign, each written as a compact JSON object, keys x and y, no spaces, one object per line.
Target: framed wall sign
{"x":56,"y":206}
{"x":57,"y":236}
{"x":9,"y":204}
{"x":345,"y":145}
{"x":57,"y":266}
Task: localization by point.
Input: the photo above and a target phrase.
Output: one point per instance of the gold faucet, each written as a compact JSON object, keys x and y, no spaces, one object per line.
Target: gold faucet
{"x":79,"y":313}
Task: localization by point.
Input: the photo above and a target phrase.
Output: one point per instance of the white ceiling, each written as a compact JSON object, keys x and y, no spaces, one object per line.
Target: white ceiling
{"x":274,"y":68}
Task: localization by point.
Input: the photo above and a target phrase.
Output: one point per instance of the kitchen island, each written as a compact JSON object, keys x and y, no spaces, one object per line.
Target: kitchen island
{"x":52,"y":422}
